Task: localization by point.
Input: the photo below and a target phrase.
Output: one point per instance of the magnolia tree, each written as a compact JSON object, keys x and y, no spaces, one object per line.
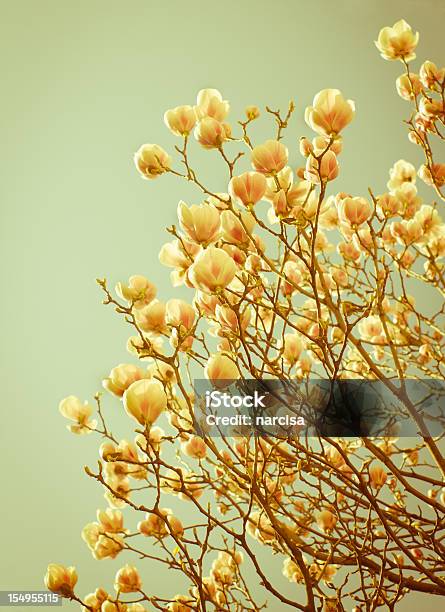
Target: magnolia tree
{"x":291,"y":281}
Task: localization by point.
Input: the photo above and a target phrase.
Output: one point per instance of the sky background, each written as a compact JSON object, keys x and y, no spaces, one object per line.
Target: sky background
{"x":84,"y":84}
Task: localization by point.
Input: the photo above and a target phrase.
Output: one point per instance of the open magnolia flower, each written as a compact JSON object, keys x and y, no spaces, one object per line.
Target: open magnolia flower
{"x":398,"y":42}
{"x":296,"y":301}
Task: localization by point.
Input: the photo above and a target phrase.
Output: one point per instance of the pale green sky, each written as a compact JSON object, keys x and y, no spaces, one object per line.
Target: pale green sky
{"x":83,"y":85}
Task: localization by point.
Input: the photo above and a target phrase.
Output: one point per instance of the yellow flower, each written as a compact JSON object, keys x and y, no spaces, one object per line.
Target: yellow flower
{"x":270,"y":157}
{"x":330,"y":113}
{"x":200,"y":222}
{"x":128,"y":580}
{"x":398,"y":42}
{"x":237,"y":230}
{"x":139,"y":291}
{"x":72,"y":408}
{"x":122,"y":376}
{"x":155,"y":525}
{"x":354,"y":211}
{"x":377,"y":476}
{"x":60,"y":579}
{"x":249,"y":188}
{"x":326,"y":168}
{"x":431,"y":76}
{"x":326,"y":520}
{"x":211,"y":104}
{"x":151,"y":318}
{"x":408,"y":87}
{"x":292,"y":348}
{"x":151,"y":161}
{"x":210,"y":133}
{"x":220,"y":369}
{"x":252,"y":112}
{"x":144,"y":400}
{"x":179,"y":314}
{"x":180,"y":120}
{"x":213,"y":270}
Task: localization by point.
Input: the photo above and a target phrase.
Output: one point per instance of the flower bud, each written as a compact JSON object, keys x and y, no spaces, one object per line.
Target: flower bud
{"x":144,"y":400}
{"x":377,"y":476}
{"x":151,"y":161}
{"x":127,"y":580}
{"x":408,"y":86}
{"x":292,"y":348}
{"x":430,"y":75}
{"x":194,"y":447}
{"x":252,"y":112}
{"x":60,"y":579}
{"x":326,"y":520}
{"x":306,"y":147}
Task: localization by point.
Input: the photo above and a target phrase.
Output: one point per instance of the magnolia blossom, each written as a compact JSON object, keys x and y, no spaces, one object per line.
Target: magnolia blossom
{"x":178,"y":254}
{"x":430,"y":75}
{"x":237,"y":229}
{"x":326,"y":520}
{"x":122,"y":376}
{"x":161,"y":524}
{"x":140,"y":291}
{"x":408,"y":86}
{"x":377,"y":476}
{"x":180,"y":120}
{"x":354,"y":211}
{"x":221,"y":368}
{"x":194,"y":447}
{"x":179,"y":314}
{"x":209,"y":103}
{"x":102,"y":545}
{"x":398,"y":42}
{"x":73,"y":409}
{"x":151,"y":318}
{"x":269,"y":157}
{"x":60,"y":579}
{"x":200,"y":222}
{"x":433,"y":174}
{"x":210,"y":133}
{"x":252,"y":112}
{"x":213,"y":270}
{"x":325,"y":170}
{"x":128,"y":580}
{"x":401,"y":172}
{"x":330,"y":113}
{"x":151,"y":160}
{"x":292,"y":348}
{"x":144,"y":400}
{"x":249,"y":187}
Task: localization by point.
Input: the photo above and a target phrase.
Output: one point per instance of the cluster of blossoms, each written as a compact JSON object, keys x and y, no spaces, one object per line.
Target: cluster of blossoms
{"x":288,"y":282}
